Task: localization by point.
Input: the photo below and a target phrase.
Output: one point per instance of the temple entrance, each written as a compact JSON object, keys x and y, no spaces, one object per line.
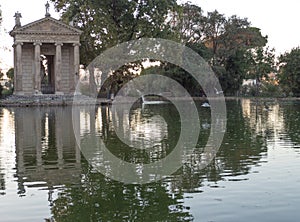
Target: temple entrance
{"x":47,"y":74}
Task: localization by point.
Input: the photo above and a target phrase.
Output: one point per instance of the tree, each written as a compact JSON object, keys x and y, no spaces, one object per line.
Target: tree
{"x":214,"y":28}
{"x":289,"y":71}
{"x":187,"y":21}
{"x":261,"y":63}
{"x":10,"y":74}
{"x":109,"y":22}
{"x":230,"y":40}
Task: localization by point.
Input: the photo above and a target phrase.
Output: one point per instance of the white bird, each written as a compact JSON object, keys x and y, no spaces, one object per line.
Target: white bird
{"x":205,"y":125}
{"x":205,"y":104}
{"x":218,"y":92}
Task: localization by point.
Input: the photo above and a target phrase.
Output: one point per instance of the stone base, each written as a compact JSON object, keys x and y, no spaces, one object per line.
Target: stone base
{"x":19,"y":93}
{"x":59,"y":93}
{"x":38,"y":93}
{"x":77,"y":93}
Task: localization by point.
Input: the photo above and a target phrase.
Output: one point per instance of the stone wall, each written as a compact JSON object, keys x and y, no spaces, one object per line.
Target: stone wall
{"x":65,"y":69}
{"x":27,"y":69}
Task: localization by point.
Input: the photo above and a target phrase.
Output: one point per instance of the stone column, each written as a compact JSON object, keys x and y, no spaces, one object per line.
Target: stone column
{"x":18,"y":88}
{"x":37,"y":67}
{"x":58,"y":66}
{"x":76,"y":66}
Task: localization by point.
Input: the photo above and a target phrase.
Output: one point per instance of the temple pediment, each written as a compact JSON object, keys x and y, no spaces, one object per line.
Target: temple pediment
{"x":47,"y":25}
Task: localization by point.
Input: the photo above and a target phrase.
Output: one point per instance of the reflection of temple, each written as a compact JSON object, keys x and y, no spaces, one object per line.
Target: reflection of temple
{"x":263,"y":120}
{"x":46,"y":151}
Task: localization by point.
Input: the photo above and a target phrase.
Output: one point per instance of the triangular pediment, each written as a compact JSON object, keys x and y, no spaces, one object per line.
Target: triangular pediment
{"x":48,"y":25}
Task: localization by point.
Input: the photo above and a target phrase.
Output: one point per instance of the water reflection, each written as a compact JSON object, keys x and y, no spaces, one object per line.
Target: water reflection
{"x":40,"y":161}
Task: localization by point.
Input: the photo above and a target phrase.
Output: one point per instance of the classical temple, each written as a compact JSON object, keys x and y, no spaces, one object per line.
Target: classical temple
{"x":46,"y":56}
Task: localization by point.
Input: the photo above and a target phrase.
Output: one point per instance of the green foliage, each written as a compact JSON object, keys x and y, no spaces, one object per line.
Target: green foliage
{"x":265,"y":89}
{"x":201,"y":49}
{"x":289,"y":72}
{"x":232,"y":78}
{"x":8,"y":86}
{"x":260,"y":63}
{"x":6,"y":92}
{"x":231,"y":45}
{"x":179,"y":75}
{"x":188,"y":22}
{"x":109,"y":22}
{"x":231,"y":39}
{"x":10,"y":74}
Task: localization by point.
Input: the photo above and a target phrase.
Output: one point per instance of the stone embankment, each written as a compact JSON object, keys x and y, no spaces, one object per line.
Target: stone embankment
{"x":51,"y":100}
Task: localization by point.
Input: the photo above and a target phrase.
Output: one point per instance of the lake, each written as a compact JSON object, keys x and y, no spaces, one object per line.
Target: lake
{"x":44,"y":176}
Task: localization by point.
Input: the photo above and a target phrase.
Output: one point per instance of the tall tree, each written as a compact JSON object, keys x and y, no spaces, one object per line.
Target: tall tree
{"x":289,"y":71}
{"x":188,"y":22}
{"x":214,"y":28}
{"x":261,"y":64}
{"x":230,"y":39}
{"x":108,"y":22}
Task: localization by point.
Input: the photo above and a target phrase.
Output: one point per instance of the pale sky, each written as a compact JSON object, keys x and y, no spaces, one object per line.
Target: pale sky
{"x":277,"y":19}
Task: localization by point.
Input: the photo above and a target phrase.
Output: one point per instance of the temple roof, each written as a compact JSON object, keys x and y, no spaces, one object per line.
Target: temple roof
{"x":47,"y":25}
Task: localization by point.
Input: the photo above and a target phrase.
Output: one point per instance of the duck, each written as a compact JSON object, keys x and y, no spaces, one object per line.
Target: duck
{"x":206,"y":104}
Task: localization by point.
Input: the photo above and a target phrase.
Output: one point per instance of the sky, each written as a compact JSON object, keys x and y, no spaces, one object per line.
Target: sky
{"x":277,"y":19}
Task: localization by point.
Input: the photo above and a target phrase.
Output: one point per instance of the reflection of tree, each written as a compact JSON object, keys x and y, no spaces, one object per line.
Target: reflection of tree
{"x":101,"y":199}
{"x":136,"y":155}
{"x":98,"y":198}
{"x":243,"y":146}
{"x":240,"y":150}
{"x":291,"y":116}
{"x":86,"y":195}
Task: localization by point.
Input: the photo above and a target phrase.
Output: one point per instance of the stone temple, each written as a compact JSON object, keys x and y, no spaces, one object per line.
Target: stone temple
{"x":46,"y":56}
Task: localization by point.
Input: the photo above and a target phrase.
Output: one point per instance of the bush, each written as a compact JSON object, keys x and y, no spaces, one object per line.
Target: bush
{"x":6,"y":92}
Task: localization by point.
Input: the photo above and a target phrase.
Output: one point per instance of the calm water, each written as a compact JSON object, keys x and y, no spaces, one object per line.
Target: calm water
{"x":255,"y":176}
